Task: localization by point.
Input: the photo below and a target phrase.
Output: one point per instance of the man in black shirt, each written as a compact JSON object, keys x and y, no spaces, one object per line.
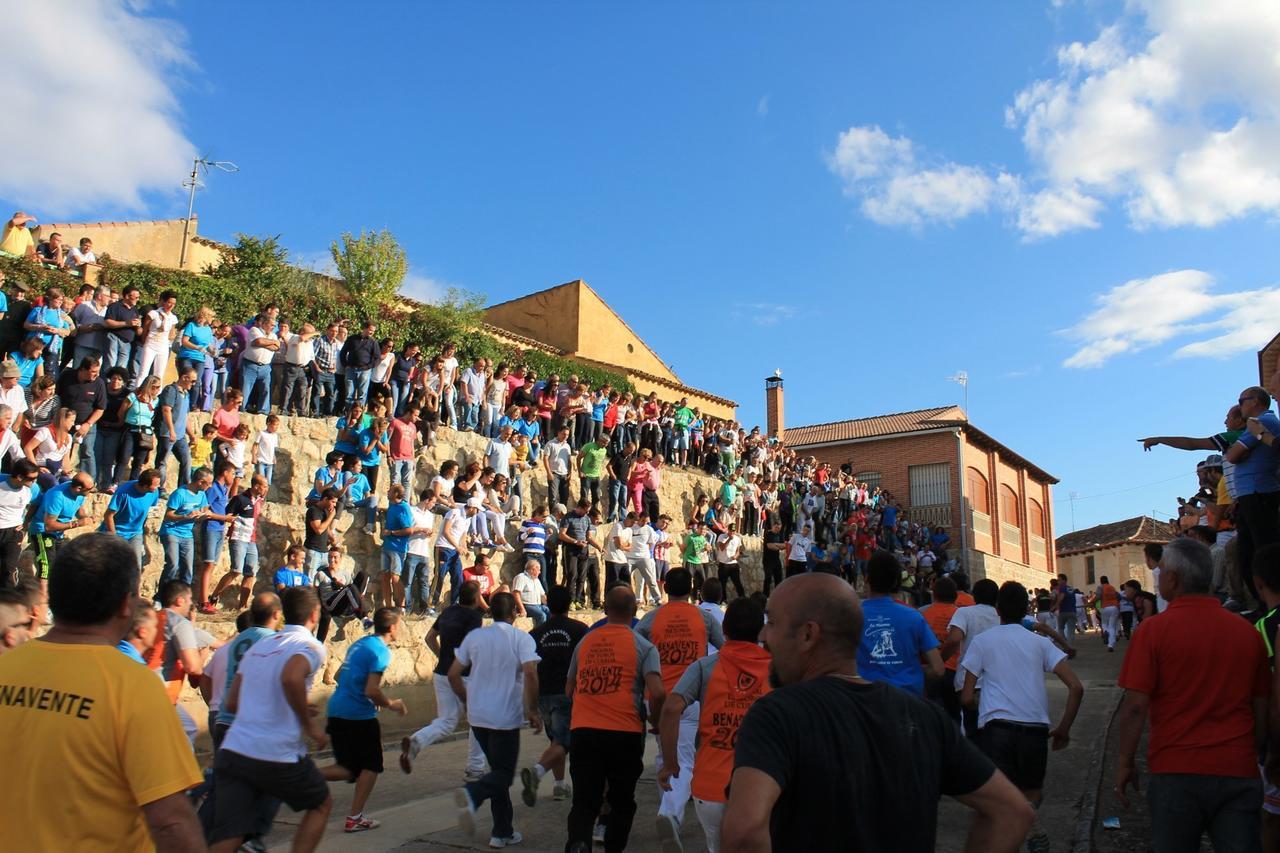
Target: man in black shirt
{"x":620,"y":465}
{"x":771,"y":558}
{"x":793,"y":785}
{"x":358,"y":355}
{"x":83,"y":391}
{"x":556,"y":639}
{"x":123,"y":322}
{"x":450,"y":628}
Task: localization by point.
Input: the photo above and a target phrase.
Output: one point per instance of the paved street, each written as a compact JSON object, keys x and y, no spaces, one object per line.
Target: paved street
{"x":418,"y":814}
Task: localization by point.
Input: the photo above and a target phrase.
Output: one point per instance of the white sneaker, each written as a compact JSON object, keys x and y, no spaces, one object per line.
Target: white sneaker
{"x":506,"y":546}
{"x":466,"y":811}
{"x":597,"y":834}
{"x":370,"y":529}
{"x":562,"y":791}
{"x":669,"y":834}
{"x":498,"y":843}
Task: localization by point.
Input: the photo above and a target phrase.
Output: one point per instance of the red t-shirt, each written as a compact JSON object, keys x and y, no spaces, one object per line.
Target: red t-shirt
{"x":1202,"y":667}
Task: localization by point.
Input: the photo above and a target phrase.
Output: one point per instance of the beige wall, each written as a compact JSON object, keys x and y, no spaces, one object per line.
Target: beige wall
{"x":603,"y":336}
{"x":156,"y":242}
{"x":550,"y":317}
{"x":1034,"y":552}
{"x":706,"y":405}
{"x":1119,"y":564}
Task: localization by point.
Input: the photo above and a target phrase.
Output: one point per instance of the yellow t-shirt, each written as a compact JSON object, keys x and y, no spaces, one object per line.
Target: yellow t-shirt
{"x":202,"y":453}
{"x":17,"y":241}
{"x":93,"y":737}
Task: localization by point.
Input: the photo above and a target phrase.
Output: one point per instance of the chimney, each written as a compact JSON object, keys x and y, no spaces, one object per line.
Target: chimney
{"x":773,"y":405}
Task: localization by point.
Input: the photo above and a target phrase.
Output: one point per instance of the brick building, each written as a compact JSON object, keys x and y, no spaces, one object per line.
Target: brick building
{"x":996,"y":505}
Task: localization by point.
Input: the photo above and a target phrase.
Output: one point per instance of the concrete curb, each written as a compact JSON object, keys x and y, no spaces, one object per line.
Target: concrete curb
{"x":1082,"y":839}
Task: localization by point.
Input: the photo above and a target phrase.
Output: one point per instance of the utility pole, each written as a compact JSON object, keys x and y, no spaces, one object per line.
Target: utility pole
{"x":193,"y":181}
{"x":1073,"y":496}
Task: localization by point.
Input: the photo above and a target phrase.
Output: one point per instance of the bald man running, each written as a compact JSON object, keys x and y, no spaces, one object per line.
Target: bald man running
{"x":793,"y":785}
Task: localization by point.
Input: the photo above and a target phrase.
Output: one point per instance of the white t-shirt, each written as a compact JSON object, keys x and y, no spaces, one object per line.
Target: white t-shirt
{"x":48,"y":450}
{"x":612,"y":552}
{"x":799,"y":550}
{"x":421,"y":544}
{"x":266,"y":727}
{"x":259,"y":355}
{"x":498,"y":456}
{"x":264,"y":447}
{"x":474,"y":381}
{"x":558,"y":455}
{"x":446,"y":487}
{"x":217,"y":672}
{"x":1161,"y":604}
{"x":1011,"y":662}
{"x":15,"y":398}
{"x":449,"y":370}
{"x":973,"y":620}
{"x":457,"y":523}
{"x":643,"y":538}
{"x":300,"y":352}
{"x":382,"y":369}
{"x":162,"y":323}
{"x":495,"y":690}
{"x":13,"y":504}
{"x":728,"y":547}
{"x":530,"y":590}
{"x":716,"y":611}
{"x":75,"y":257}
{"x":233,"y":451}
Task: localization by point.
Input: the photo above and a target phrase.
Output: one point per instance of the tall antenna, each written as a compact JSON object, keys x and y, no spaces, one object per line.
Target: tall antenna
{"x":961,"y":378}
{"x":1073,"y":496}
{"x":198,"y":165}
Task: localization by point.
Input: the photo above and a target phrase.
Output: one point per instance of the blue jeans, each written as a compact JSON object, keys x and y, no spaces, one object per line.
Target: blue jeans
{"x":139,"y":546}
{"x":617,"y":499}
{"x":402,"y":473}
{"x":268,"y":471}
{"x":118,"y":352}
{"x":179,"y":559}
{"x":416,"y":577}
{"x":399,"y":397}
{"x":502,"y":749}
{"x":88,"y":446}
{"x":1184,"y":805}
{"x":537,"y":612}
{"x":323,"y":390}
{"x":244,"y":557}
{"x":449,"y":562}
{"x":358,"y":385}
{"x":106,"y":448}
{"x":492,"y":414}
{"x":83,"y":352}
{"x":181,"y":451}
{"x":470,"y":416}
{"x":252,"y":375}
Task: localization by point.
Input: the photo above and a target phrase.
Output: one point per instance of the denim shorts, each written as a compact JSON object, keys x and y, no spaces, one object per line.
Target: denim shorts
{"x":211,"y":544}
{"x":244,"y":557}
{"x":392,"y":561}
{"x":556,"y":712}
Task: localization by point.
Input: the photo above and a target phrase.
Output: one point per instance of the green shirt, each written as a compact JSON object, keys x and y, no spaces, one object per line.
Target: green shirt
{"x":684,"y":417}
{"x":728,"y":494}
{"x":592,"y":459}
{"x":694,"y":548}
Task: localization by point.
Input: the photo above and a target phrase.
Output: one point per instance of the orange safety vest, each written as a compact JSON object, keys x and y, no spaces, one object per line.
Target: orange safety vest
{"x":604,"y":686}
{"x":740,"y":677}
{"x":1110,"y":598}
{"x":680,"y":633}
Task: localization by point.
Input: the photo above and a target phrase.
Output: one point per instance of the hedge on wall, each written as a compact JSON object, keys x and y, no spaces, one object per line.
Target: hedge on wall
{"x":304,"y":299}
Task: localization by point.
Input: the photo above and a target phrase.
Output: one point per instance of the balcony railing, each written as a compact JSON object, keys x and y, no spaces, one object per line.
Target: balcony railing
{"x":934,"y":515}
{"x":1010,"y":535}
{"x":981,"y":523}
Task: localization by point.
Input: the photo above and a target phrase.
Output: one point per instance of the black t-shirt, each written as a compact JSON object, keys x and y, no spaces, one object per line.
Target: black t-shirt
{"x":770,"y":556}
{"x":122,"y":313}
{"x":622,"y":464}
{"x":83,"y":397}
{"x":316,"y":541}
{"x":452,"y":626}
{"x":861,"y":766}
{"x":523,"y":398}
{"x":110,"y":421}
{"x":556,"y":639}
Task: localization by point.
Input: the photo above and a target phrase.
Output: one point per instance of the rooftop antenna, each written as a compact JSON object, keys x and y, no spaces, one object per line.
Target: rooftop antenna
{"x":198,"y":165}
{"x":961,"y":378}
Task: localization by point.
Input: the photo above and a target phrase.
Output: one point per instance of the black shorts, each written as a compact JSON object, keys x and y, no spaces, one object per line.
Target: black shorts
{"x":241,"y":781}
{"x":1020,"y":750}
{"x":357,"y":745}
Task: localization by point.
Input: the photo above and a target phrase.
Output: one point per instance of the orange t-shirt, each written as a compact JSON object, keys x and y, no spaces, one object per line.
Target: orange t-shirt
{"x":964,"y":599}
{"x":680,"y":633}
{"x":604,"y":683}
{"x":938,"y":615}
{"x":1110,"y":598}
{"x":739,"y":677}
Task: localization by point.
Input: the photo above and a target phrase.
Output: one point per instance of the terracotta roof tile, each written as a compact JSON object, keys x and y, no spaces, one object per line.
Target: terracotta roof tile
{"x":916,"y":421}
{"x":1139,"y":530}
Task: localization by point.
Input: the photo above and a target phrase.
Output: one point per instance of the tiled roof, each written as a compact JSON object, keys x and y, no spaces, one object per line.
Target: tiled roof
{"x":917,"y":421}
{"x":1140,"y":531}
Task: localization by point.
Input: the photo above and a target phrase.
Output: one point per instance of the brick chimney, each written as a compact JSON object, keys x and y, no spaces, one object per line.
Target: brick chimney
{"x":773,"y":405}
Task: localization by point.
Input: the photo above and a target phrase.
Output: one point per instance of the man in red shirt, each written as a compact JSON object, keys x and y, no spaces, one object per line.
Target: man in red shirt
{"x":1200,"y":673}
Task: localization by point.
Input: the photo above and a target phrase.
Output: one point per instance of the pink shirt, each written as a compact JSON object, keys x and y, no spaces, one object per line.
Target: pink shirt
{"x":653,"y":480}
{"x":226,"y":423}
{"x":402,"y":438}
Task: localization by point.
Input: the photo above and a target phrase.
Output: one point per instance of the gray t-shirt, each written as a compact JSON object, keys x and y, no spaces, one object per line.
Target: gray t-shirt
{"x":646,"y":662}
{"x":692,"y":686}
{"x":88,"y":314}
{"x":179,"y":635}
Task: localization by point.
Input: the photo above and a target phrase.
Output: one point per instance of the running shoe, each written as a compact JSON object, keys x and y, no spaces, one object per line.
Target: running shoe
{"x":497,"y":843}
{"x":406,"y":755}
{"x":529,"y":779}
{"x":360,"y":824}
{"x":668,"y":834}
{"x":561,"y":792}
{"x":466,"y":811}
{"x":597,"y":835}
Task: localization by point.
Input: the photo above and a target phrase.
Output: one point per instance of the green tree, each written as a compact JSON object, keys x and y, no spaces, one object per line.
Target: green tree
{"x":259,"y":263}
{"x":373,"y":266}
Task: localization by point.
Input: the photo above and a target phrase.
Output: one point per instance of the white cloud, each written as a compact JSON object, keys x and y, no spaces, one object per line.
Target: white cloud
{"x":1146,"y":312}
{"x":762,"y":106}
{"x":422,"y":287}
{"x":1171,"y":113}
{"x":895,"y":189}
{"x":91,"y":117}
{"x":765,"y":313}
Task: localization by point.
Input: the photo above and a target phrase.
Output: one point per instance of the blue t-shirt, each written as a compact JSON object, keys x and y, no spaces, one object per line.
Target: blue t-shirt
{"x":328,"y":478}
{"x":1257,"y":473}
{"x":131,"y":652}
{"x":217,"y":495}
{"x":4,"y":301}
{"x":890,"y":517}
{"x":131,"y":506}
{"x":184,"y":502}
{"x":893,"y":638}
{"x":399,"y":516}
{"x":374,"y":456}
{"x":359,"y":487}
{"x":1068,"y":604}
{"x":181,"y":405}
{"x":288,"y":577}
{"x":597,"y":411}
{"x":349,"y":446}
{"x":48,"y":317}
{"x":202,"y":336}
{"x":61,"y":503}
{"x":365,"y":657}
{"x":27,"y":366}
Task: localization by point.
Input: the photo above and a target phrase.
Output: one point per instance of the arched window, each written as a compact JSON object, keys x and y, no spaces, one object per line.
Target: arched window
{"x":978,"y":492}
{"x":1035,"y":518}
{"x":1009,"y":507}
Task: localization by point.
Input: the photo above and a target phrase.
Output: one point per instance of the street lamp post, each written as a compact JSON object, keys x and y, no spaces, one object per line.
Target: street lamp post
{"x":193,"y":181}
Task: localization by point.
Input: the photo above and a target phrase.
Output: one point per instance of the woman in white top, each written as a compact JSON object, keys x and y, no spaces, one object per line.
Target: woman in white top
{"x":495,"y":512}
{"x":50,"y":446}
{"x":380,"y":377}
{"x":158,"y":330}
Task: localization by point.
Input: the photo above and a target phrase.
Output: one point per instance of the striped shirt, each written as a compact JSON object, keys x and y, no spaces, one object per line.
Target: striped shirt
{"x":326,"y":354}
{"x":534,"y":536}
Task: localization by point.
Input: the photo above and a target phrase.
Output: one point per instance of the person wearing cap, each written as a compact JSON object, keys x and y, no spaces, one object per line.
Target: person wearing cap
{"x":16,"y":239}
{"x":12,"y":393}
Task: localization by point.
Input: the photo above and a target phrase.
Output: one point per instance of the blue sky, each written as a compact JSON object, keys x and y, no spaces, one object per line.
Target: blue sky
{"x":1073,"y":202}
